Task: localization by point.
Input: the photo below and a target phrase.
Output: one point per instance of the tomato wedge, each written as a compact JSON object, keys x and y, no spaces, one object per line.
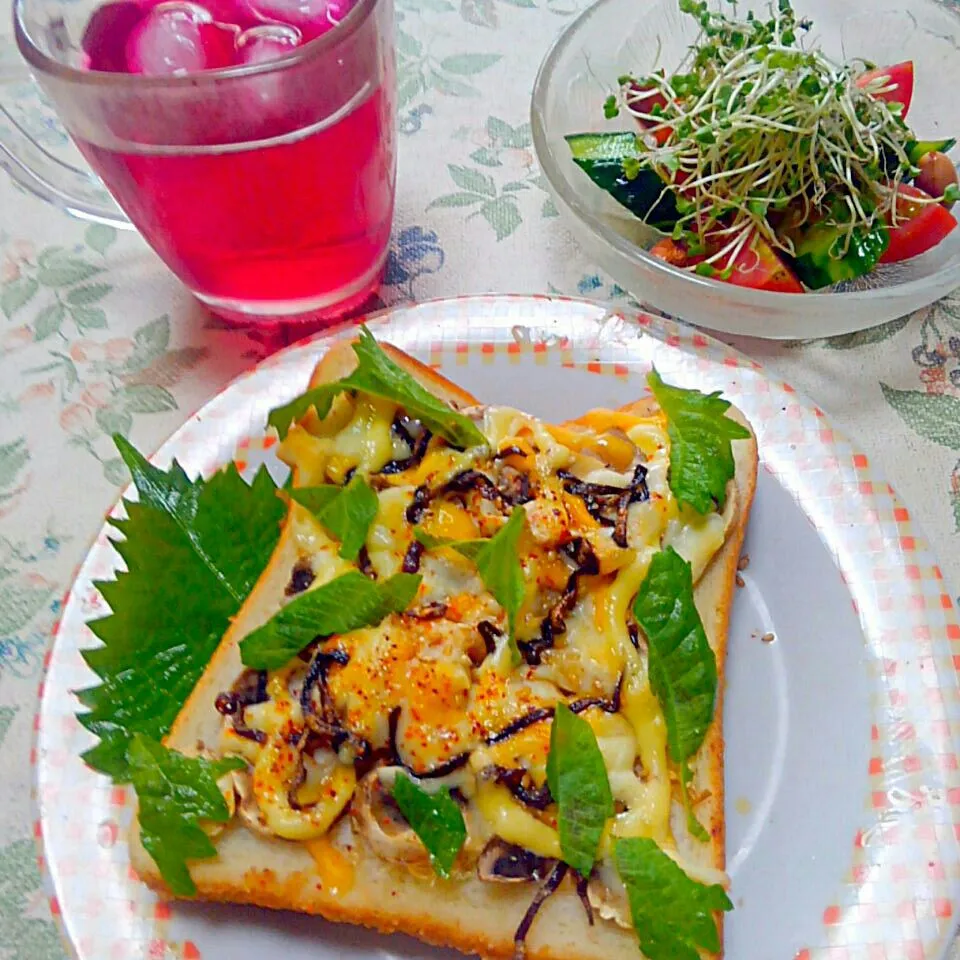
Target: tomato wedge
{"x":900,"y":78}
{"x":926,"y":225}
{"x":757,"y":265}
{"x":760,"y":267}
{"x":644,"y":98}
{"x":674,"y":253}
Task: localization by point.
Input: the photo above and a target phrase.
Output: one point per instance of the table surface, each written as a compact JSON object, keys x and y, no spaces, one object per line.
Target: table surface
{"x":110,"y":341}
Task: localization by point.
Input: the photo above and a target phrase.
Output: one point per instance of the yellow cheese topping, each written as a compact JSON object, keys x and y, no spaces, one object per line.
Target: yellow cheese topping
{"x":337,"y":874}
{"x":436,"y":689}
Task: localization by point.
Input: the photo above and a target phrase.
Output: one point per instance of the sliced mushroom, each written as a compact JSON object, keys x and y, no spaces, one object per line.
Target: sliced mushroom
{"x":226,"y":786}
{"x":247,"y":806}
{"x":503,"y":862}
{"x":608,"y":896}
{"x":376,"y":816}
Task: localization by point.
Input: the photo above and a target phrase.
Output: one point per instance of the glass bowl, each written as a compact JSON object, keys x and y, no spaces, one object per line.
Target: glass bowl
{"x":614,"y":37}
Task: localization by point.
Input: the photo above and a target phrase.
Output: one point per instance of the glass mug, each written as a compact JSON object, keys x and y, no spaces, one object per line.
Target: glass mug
{"x":268,"y":188}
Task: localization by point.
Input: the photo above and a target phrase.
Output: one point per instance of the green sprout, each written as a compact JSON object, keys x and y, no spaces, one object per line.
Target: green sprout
{"x":759,"y":134}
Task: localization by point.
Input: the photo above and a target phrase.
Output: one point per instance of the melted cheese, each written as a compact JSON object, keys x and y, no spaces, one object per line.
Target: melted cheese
{"x":281,"y":712}
{"x":505,"y":427}
{"x":337,"y":874}
{"x":390,"y":535}
{"x":364,"y":442}
{"x":650,"y":436}
{"x":451,"y":521}
{"x":367,"y":441}
{"x":341,"y":410}
{"x":648,"y":808}
{"x":437,"y":467}
{"x":587,"y":657}
{"x":512,"y":822}
{"x":528,"y":749}
{"x":327,"y":785}
{"x":593,"y":652}
{"x":428,"y":668}
{"x":624,"y":740}
{"x":316,"y":546}
{"x":232,"y":744}
{"x":497,"y":700}
{"x":273,"y":775}
{"x":307,"y":454}
{"x":696,"y":537}
{"x":600,"y":421}
{"x":423,"y":669}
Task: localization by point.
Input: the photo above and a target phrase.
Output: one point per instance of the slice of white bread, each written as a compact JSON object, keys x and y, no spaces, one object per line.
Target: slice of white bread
{"x":471,"y":915}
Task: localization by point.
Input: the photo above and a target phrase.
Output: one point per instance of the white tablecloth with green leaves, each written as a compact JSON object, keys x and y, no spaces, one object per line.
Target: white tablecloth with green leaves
{"x":97,"y":337}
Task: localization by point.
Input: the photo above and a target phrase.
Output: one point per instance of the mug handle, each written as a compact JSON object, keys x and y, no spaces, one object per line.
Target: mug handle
{"x":77,"y":192}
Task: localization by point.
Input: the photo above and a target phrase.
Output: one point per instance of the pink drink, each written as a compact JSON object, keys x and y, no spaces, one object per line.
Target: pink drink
{"x":271,"y":194}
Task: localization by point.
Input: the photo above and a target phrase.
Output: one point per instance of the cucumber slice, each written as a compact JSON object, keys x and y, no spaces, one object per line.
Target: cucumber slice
{"x":600,"y":156}
{"x":817,"y":261}
{"x":602,"y":146}
{"x":918,"y":149}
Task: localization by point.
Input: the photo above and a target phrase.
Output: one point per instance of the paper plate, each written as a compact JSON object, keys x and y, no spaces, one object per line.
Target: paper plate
{"x":842,"y":703}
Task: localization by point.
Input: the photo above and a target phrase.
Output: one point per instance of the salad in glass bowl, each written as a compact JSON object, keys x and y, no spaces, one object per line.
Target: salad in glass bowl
{"x":769,"y":165}
{"x":673,"y":81}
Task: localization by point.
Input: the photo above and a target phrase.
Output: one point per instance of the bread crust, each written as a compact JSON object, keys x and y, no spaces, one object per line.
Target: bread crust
{"x":470,"y":915}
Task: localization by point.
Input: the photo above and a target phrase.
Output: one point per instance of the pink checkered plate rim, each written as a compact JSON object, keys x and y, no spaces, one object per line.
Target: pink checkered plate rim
{"x":841,"y":693}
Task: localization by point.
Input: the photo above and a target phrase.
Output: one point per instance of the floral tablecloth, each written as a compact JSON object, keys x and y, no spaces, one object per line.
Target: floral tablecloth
{"x":96,"y":337}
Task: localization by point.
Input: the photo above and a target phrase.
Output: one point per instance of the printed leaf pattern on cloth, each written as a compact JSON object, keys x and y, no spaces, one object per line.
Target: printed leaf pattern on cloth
{"x":503,"y":183}
{"x":26,"y":930}
{"x":936,"y":417}
{"x":864,"y":338}
{"x":104,"y":389}
{"x":419,"y":71}
{"x":13,"y":458}
{"x":100,"y":237}
{"x":955,"y":495}
{"x":931,"y":411}
{"x":595,"y":286}
{"x":486,"y":13}
{"x":59,"y":286}
{"x":21,"y":599}
{"x":27,"y":606}
{"x":6,"y":718}
{"x":948,"y":311}
{"x":425,"y":6}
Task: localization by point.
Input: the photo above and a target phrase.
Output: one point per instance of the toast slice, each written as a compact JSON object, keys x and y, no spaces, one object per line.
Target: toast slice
{"x":345,"y":876}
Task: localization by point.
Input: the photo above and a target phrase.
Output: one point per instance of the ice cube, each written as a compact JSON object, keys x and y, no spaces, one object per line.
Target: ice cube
{"x":234,"y":12}
{"x":180,"y":37}
{"x":226,"y":12}
{"x":267,"y":42}
{"x":311,"y":17}
{"x":106,"y":34}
